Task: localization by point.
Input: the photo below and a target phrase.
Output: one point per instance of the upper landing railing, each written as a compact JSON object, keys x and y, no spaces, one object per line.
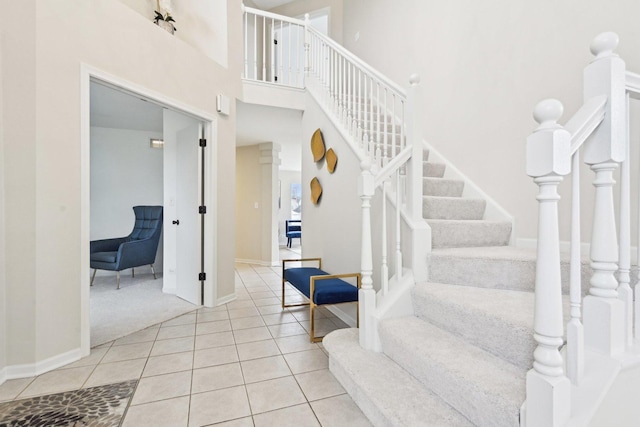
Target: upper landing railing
{"x":603,"y":320}
{"x":376,"y":117}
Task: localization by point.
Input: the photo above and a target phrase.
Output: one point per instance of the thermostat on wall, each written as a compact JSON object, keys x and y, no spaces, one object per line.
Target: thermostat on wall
{"x":222,"y":104}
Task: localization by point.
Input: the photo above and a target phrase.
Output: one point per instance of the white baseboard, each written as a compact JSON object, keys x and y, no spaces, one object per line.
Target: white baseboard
{"x":225,"y":300}
{"x":342,"y":315}
{"x":33,"y":369}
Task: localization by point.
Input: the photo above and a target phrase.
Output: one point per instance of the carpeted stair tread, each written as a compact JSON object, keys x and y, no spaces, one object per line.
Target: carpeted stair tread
{"x":498,"y":321}
{"x":433,"y":169}
{"x":499,"y":267}
{"x":469,"y":233}
{"x":484,"y":388}
{"x":442,"y":187}
{"x":452,"y":208}
{"x":385,"y":392}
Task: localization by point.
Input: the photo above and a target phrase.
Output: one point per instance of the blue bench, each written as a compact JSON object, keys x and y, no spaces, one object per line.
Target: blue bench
{"x":324,"y":287}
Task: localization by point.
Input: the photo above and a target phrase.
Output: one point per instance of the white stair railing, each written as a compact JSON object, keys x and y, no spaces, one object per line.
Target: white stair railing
{"x":600,"y":129}
{"x":375,"y":117}
{"x":273,"y":48}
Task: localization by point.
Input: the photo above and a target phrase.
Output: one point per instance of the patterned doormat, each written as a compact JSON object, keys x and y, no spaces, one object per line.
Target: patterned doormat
{"x":101,"y":406}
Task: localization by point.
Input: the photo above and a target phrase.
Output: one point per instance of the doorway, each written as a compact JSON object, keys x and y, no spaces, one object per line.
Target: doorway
{"x":193,"y":242}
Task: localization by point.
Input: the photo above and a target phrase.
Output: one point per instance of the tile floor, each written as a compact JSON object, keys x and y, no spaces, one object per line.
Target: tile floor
{"x":247,"y":363}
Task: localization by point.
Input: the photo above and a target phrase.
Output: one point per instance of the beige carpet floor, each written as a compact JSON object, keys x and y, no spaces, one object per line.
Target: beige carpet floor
{"x":138,"y":304}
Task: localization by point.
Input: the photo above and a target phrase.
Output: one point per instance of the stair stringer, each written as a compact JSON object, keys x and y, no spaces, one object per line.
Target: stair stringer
{"x":493,"y":210}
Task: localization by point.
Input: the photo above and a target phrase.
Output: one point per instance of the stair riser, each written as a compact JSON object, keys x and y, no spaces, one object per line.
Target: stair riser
{"x":453,"y":208}
{"x":469,"y":234}
{"x":442,"y":187}
{"x":511,"y":274}
{"x":511,"y":342}
{"x":433,"y":170}
{"x":481,"y":406}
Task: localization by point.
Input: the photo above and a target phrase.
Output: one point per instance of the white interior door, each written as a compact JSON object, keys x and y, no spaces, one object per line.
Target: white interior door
{"x":182,"y":236}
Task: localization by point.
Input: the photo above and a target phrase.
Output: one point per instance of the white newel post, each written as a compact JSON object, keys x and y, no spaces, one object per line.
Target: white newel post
{"x":366,"y":295}
{"x":421,"y":236}
{"x":603,"y":313}
{"x":548,"y":158}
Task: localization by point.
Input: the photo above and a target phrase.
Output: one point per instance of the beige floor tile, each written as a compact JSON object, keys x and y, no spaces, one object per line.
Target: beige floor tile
{"x":216,"y":377}
{"x":243,"y":312}
{"x":278,"y":318}
{"x":144,"y":335}
{"x":213,"y":327}
{"x":161,"y":387}
{"x":168,"y":363}
{"x":263,"y":294}
{"x":264,"y":369}
{"x":219,"y":339}
{"x":257,"y":349}
{"x":240,"y":422}
{"x":185,"y":319}
{"x":218,"y":405}
{"x":168,"y":332}
{"x":295,"y":343}
{"x":319,"y":385}
{"x":286,"y":330}
{"x":215,"y":356}
{"x":118,"y":353}
{"x":261,"y":287}
{"x":57,"y":381}
{"x":105,"y":345}
{"x":305,"y":361}
{"x":274,"y":394}
{"x":10,"y":389}
{"x":253,"y":334}
{"x":293,"y":416}
{"x":213,"y":316}
{"x":246,"y":322}
{"x":109,"y":373}
{"x":175,"y":345}
{"x":92,"y":359}
{"x":266,"y":301}
{"x":339,"y":411}
{"x":235,"y":305}
{"x":166,"y":413}
{"x":272,"y":309}
{"x":219,"y":308}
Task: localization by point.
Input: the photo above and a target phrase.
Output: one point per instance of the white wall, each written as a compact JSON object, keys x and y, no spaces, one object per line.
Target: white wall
{"x":125,"y":172}
{"x":3,"y":284}
{"x":332,"y":228}
{"x":200,"y":23}
{"x":298,"y":8}
{"x":43,"y":166}
{"x":484,"y":66}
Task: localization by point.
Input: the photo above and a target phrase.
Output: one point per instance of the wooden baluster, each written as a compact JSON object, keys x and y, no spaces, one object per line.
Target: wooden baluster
{"x":625,"y":293}
{"x":366,"y":294}
{"x":575,"y":329}
{"x":603,"y":313}
{"x":548,"y":158}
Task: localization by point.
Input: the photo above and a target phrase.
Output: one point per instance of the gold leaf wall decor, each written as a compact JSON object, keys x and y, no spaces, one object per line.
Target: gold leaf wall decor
{"x":317,"y":145}
{"x":316,"y":191}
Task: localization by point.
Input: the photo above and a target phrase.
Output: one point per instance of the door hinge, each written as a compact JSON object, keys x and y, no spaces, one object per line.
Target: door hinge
{"x":202,"y":210}
{"x":202,"y":276}
{"x":203,"y":142}
{"x":275,"y":41}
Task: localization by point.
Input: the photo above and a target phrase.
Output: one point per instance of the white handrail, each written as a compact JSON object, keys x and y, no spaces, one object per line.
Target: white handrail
{"x":273,"y":16}
{"x":585,"y":121}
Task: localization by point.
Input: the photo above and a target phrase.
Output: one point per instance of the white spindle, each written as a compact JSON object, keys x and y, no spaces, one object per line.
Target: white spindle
{"x":255,"y":47}
{"x":246,"y":45}
{"x":366,"y":295}
{"x":548,"y":390}
{"x":575,"y":329}
{"x":624,"y":289}
{"x":384,"y":270}
{"x":264,"y":49}
{"x":274,"y":52}
{"x":399,"y":193}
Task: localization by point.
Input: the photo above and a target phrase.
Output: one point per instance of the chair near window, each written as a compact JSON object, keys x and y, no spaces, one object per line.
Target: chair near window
{"x":293,"y":230}
{"x":137,"y":249}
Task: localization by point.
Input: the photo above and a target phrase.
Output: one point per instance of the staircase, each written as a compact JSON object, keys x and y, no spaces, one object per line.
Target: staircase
{"x":462,"y":358}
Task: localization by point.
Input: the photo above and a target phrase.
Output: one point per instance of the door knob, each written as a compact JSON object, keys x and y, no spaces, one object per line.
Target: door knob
{"x":176,"y":222}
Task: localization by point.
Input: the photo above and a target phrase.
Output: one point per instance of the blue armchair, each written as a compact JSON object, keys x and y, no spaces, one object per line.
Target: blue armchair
{"x":136,"y":249}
